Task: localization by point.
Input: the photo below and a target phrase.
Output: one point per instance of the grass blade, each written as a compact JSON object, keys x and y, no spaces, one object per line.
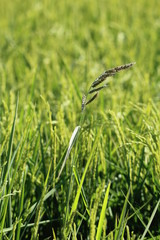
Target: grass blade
{"x":82,"y":192}
{"x":75,"y":203}
{"x":121,"y":223}
{"x":21,"y":201}
{"x":5,"y":204}
{"x":138,"y":214}
{"x":9,"y":210}
{"x":150,"y":220}
{"x":71,"y":143}
{"x":102,"y":216}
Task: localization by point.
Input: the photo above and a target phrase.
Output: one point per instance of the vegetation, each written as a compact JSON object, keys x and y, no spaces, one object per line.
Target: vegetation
{"x":68,"y":172}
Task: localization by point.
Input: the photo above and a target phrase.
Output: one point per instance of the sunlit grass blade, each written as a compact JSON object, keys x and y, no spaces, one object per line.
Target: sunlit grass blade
{"x":82,"y":192}
{"x":75,"y":203}
{"x":21,"y":203}
{"x":71,"y":143}
{"x":128,"y":233}
{"x":102,"y":215}
{"x":138,"y":214}
{"x":150,"y":220}
{"x":9,"y":209}
{"x":122,"y":221}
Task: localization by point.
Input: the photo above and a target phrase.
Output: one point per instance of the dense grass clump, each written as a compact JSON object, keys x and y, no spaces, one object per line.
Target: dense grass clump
{"x":73,"y":169}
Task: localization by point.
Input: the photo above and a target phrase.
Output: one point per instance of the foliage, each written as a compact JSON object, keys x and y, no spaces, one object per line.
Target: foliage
{"x":50,"y":53}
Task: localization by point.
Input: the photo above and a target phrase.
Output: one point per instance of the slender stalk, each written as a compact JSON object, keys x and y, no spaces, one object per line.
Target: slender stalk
{"x":100,"y":79}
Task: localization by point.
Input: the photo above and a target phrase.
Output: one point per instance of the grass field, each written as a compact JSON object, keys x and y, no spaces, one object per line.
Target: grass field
{"x":104,"y":182}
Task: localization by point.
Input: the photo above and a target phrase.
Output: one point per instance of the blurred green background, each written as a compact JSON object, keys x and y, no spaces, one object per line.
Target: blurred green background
{"x":89,"y":36}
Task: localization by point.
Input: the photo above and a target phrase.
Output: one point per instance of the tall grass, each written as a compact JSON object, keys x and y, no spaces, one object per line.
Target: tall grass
{"x":100,"y":181}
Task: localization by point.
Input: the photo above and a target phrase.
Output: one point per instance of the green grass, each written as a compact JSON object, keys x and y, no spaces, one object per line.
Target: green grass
{"x":103,"y":183}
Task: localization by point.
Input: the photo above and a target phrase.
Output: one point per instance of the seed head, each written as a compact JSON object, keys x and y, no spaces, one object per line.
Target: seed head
{"x":109,"y":73}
